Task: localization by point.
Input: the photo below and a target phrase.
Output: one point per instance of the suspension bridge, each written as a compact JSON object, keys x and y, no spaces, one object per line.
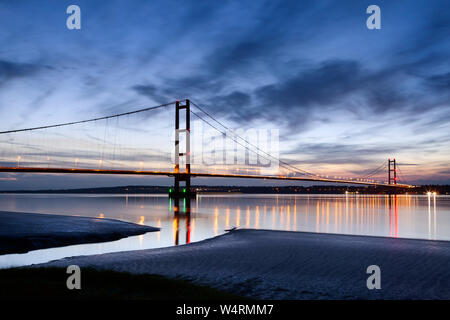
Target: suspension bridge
{"x":14,"y":152}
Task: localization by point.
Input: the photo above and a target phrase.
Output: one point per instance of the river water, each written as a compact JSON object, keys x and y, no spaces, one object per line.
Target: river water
{"x":403,"y":216}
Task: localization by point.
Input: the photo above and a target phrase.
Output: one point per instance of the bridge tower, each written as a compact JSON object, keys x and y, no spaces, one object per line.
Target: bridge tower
{"x":392,"y":178}
{"x":186,"y":174}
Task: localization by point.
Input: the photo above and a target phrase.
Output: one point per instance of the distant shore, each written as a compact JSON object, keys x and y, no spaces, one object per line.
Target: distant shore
{"x":293,"y":265}
{"x":21,"y":232}
{"x":315,"y":189}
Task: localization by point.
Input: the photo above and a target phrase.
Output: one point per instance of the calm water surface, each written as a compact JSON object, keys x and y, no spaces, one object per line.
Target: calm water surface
{"x":403,"y":216}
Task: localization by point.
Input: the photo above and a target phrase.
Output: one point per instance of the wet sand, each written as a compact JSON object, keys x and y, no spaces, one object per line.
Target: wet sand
{"x":21,"y":232}
{"x":294,"y":265}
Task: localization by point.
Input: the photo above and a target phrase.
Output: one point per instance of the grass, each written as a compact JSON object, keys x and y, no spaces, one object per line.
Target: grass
{"x":50,"y":284}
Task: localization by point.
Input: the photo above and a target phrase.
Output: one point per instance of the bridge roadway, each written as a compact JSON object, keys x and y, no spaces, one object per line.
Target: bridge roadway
{"x":193,"y":175}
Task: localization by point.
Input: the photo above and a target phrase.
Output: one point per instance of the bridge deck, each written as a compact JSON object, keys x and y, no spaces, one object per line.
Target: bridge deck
{"x":193,"y":175}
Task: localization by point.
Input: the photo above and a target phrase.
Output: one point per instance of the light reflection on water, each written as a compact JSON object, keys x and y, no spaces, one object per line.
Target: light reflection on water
{"x":406,"y":216}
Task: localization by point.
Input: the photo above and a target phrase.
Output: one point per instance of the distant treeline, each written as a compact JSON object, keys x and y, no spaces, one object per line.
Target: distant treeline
{"x":439,"y":189}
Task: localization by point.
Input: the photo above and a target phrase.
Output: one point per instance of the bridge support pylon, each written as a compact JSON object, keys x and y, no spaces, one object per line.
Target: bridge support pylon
{"x":392,"y":178}
{"x":182,"y":176}
{"x":392,"y":175}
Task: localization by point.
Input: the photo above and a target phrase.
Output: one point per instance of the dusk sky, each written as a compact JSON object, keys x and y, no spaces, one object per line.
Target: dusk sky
{"x":344,"y":98}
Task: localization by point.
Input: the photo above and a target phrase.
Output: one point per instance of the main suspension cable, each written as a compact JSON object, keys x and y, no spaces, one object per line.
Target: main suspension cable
{"x":89,"y":120}
{"x":293,"y":168}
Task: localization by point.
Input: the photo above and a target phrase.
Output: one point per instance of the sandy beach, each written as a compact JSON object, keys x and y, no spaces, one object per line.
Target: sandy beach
{"x":21,"y":232}
{"x":294,"y":265}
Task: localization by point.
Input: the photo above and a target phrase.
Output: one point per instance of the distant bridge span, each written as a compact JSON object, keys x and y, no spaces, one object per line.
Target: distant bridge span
{"x":192,"y":174}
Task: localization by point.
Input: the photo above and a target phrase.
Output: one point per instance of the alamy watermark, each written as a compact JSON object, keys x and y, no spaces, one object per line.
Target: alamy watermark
{"x":374,"y":280}
{"x":73,"y":21}
{"x":74,"y":280}
{"x":374,"y":20}
{"x":255,"y":148}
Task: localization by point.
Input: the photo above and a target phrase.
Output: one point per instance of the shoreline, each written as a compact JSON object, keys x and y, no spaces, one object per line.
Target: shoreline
{"x":267,"y":264}
{"x":290,"y":190}
{"x":23,"y":232}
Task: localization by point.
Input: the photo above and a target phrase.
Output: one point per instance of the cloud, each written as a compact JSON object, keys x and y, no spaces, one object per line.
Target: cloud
{"x":324,"y":84}
{"x":234,"y":106}
{"x":430,"y":34}
{"x":341,"y":153}
{"x":12,"y":70}
{"x":316,"y":89}
{"x":439,"y":81}
{"x":151,"y":92}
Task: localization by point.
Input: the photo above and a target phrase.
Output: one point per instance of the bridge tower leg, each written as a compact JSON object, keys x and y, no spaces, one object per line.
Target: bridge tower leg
{"x":392,"y":178}
{"x":186,"y":175}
